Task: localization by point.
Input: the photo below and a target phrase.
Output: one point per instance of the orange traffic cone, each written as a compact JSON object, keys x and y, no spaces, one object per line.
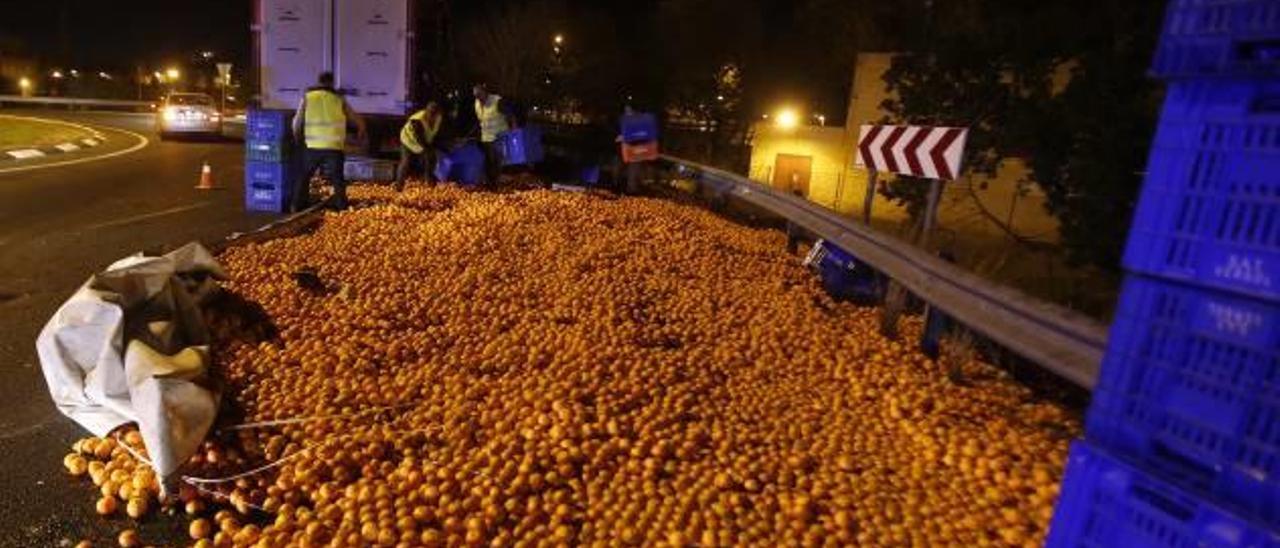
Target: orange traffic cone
{"x":206,"y":178}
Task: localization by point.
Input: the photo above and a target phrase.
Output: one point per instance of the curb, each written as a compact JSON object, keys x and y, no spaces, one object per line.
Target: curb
{"x":41,"y":152}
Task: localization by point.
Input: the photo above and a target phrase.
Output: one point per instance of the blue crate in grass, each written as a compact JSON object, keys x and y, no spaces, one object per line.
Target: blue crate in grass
{"x":463,"y":165}
{"x":641,"y":127}
{"x":268,"y":125}
{"x":1209,"y":38}
{"x":268,"y":186}
{"x":521,"y":146}
{"x":1210,"y":207}
{"x":1190,"y":387}
{"x":843,"y":275}
{"x":1107,"y":502}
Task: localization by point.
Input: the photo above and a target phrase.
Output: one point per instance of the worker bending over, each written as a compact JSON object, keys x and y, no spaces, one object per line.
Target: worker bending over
{"x":494,"y":118}
{"x":418,"y":141}
{"x":321,"y":123}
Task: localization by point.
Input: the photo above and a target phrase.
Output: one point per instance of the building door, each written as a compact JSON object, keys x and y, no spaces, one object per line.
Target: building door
{"x":791,"y":173}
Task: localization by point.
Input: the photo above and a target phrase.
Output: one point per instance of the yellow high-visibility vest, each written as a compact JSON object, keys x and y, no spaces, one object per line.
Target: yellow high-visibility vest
{"x":492,"y":121}
{"x":409,"y":137}
{"x":325,"y":121}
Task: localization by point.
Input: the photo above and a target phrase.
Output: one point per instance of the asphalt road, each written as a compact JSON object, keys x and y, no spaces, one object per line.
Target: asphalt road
{"x":60,"y":223}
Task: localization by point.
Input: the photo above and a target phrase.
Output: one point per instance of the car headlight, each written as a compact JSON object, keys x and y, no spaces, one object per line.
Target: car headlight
{"x":170,"y":114}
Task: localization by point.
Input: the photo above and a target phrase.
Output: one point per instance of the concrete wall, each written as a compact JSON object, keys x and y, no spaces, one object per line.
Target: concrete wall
{"x":836,"y":183}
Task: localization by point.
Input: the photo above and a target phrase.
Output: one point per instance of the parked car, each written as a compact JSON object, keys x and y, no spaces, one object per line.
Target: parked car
{"x":188,"y":114}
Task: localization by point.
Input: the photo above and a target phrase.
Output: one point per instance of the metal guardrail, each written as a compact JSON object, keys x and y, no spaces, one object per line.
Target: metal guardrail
{"x":1064,"y":342}
{"x":74,"y":102}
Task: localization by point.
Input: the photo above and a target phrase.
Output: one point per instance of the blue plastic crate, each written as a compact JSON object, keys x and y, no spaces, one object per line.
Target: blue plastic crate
{"x":843,"y":275}
{"x":268,"y":186}
{"x":1210,"y":206}
{"x":1190,"y":387}
{"x":268,"y":125}
{"x":267,"y":151}
{"x":1107,"y":502}
{"x":641,"y":127}
{"x":464,"y":165}
{"x":521,"y":146}
{"x":1219,"y":38}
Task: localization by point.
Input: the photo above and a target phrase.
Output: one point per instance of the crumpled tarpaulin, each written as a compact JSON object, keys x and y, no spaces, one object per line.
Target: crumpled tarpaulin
{"x":132,"y":346}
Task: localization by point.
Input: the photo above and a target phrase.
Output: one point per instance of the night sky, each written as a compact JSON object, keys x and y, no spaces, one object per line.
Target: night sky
{"x":96,"y":34}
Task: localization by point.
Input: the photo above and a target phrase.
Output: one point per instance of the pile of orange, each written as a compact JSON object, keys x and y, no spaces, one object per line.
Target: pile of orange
{"x":544,"y":368}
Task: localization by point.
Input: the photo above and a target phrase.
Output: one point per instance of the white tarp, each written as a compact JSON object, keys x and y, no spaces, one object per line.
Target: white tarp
{"x":132,"y":346}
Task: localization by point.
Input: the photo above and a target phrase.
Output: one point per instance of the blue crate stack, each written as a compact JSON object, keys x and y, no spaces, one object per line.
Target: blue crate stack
{"x":270,"y":160}
{"x":1182,"y":439}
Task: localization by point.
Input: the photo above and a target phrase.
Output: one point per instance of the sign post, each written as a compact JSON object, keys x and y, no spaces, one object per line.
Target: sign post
{"x":224,"y":76}
{"x":929,"y":152}
{"x":918,"y":151}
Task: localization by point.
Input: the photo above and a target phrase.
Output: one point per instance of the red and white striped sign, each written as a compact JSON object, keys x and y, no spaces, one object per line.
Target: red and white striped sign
{"x":919,"y":151}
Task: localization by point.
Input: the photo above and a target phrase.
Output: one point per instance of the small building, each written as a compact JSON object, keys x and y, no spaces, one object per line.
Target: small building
{"x":818,"y":163}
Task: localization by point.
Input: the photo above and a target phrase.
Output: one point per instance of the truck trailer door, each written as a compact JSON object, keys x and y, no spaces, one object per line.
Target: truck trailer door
{"x":293,"y":48}
{"x":372,"y":54}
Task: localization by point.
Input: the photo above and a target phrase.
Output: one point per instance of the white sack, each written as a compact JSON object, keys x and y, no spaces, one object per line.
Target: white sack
{"x":160,"y":379}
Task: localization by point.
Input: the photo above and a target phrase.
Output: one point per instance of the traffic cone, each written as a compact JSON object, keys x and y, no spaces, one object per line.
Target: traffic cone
{"x":206,"y":178}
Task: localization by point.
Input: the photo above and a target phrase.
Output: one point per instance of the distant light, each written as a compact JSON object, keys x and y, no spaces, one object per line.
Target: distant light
{"x":158,"y":76}
{"x":559,"y":39}
{"x":231,"y":97}
{"x":172,"y":73}
{"x":207,"y":54}
{"x":822,"y":120}
{"x":719,"y":97}
{"x":104,"y":76}
{"x":788,"y":119}
{"x":75,"y":73}
{"x":24,"y":83}
{"x":56,"y":74}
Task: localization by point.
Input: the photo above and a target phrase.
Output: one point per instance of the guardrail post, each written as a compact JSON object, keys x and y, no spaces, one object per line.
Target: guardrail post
{"x":868,"y":197}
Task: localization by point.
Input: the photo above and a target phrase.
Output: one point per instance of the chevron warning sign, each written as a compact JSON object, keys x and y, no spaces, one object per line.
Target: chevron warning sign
{"x":930,"y":152}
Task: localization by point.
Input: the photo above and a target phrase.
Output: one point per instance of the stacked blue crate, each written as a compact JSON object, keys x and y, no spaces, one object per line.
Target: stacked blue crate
{"x":1182,"y":439}
{"x":270,"y":164}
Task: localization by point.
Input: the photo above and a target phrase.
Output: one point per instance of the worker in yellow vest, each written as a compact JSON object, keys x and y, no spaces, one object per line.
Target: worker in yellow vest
{"x":494,"y":118}
{"x":418,"y":140}
{"x":321,"y":124}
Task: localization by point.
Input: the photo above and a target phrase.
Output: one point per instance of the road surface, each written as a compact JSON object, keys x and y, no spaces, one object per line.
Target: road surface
{"x":59,"y":223}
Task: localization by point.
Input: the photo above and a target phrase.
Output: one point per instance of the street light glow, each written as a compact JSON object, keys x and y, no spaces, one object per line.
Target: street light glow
{"x":104,"y":76}
{"x":559,"y":39}
{"x":172,"y":73}
{"x":57,"y":74}
{"x":788,"y":119}
{"x":24,"y":83}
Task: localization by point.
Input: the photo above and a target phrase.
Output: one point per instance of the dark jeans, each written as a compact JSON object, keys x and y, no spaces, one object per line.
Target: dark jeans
{"x":407,"y":158}
{"x":492,"y":163}
{"x":330,"y":162}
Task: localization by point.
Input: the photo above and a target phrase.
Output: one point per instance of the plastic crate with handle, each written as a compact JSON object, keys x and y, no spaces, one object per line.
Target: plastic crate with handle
{"x":1107,"y":502}
{"x":1190,"y":388}
{"x":268,"y":125}
{"x":1210,"y":38}
{"x":1210,"y":207}
{"x":267,"y":186}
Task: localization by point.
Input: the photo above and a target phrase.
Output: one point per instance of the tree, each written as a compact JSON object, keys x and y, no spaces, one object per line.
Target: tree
{"x":509,"y":46}
{"x":996,"y":68}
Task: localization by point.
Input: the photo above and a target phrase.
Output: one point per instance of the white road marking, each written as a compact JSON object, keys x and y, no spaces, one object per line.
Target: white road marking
{"x":142,"y":143}
{"x":146,"y":216}
{"x":25,"y":153}
{"x":90,"y":142}
{"x":67,"y":147}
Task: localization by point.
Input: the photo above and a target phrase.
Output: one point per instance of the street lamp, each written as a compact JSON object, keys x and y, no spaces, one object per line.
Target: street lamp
{"x":787,"y":119}
{"x":24,"y":84}
{"x":559,"y":39}
{"x":57,"y":74}
{"x":172,"y":73}
{"x":822,"y":119}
